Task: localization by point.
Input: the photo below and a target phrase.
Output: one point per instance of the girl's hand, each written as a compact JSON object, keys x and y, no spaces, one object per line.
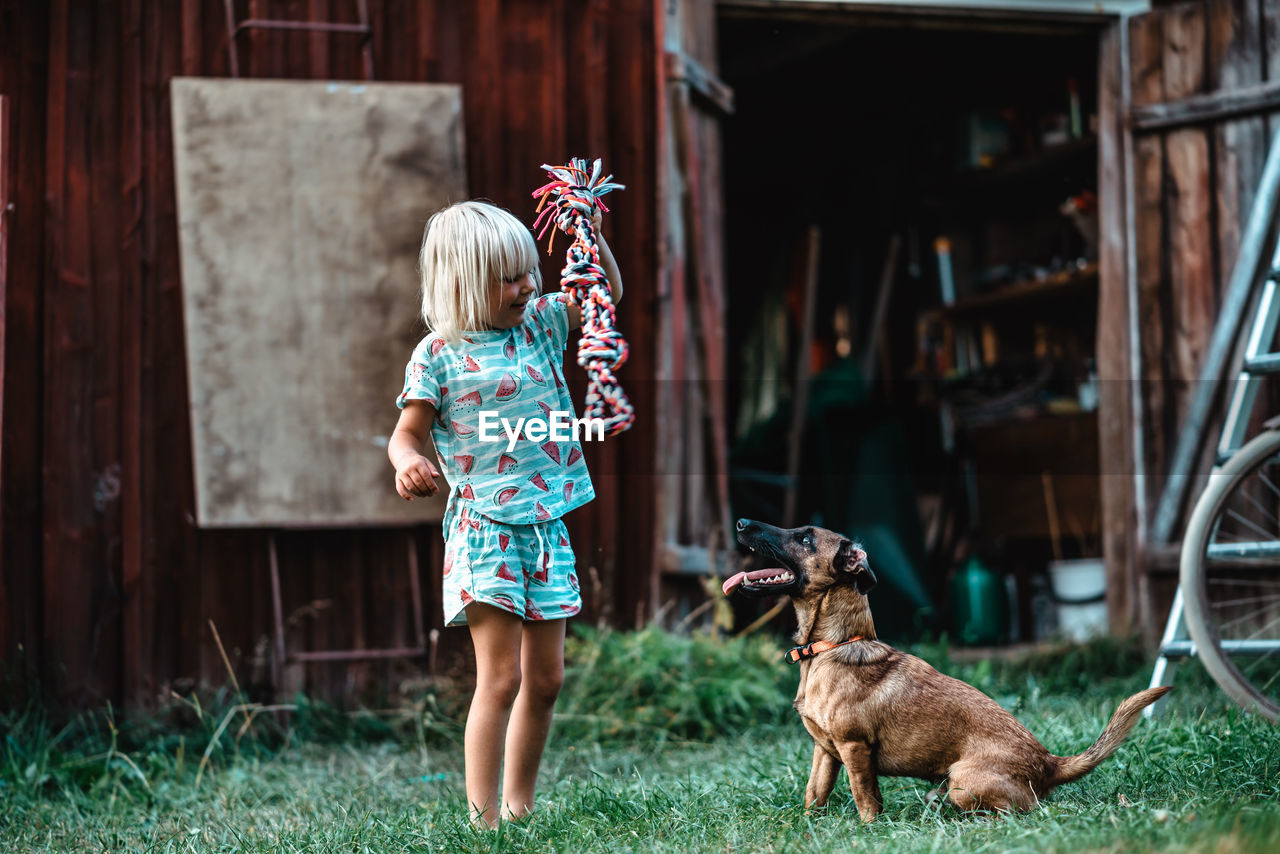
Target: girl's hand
{"x":415,"y":473}
{"x":415,"y":476}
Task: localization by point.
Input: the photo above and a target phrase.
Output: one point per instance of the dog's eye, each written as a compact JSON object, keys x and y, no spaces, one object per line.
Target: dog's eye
{"x":806,"y":540}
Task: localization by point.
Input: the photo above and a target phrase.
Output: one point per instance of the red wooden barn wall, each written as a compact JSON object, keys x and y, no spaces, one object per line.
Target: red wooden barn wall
{"x":106,"y":586}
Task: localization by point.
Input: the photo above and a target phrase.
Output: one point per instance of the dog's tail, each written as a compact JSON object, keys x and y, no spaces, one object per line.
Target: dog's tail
{"x":1126,"y":715}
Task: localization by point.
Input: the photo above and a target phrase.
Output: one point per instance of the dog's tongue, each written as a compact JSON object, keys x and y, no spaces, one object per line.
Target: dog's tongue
{"x":735,"y":580}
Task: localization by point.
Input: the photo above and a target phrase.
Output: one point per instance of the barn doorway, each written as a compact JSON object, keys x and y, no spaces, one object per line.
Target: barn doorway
{"x":936,"y":180}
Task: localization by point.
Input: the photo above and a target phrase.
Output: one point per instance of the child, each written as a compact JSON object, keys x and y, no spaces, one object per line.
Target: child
{"x":495,"y":348}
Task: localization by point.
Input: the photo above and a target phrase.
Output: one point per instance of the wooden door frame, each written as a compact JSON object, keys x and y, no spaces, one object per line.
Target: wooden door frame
{"x":685,"y":277}
{"x":1121,"y":454}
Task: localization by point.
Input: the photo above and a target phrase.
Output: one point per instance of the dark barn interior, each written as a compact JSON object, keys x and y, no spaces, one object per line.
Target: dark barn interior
{"x":930,"y":424}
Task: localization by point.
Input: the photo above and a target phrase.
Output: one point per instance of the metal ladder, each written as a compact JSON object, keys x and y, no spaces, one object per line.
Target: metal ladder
{"x":1258,"y":361}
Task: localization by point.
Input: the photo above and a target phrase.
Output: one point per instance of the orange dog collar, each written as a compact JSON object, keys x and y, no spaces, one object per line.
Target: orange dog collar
{"x":799,"y":653}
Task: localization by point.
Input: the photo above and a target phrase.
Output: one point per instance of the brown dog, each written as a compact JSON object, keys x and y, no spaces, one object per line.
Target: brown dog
{"x":881,"y":711}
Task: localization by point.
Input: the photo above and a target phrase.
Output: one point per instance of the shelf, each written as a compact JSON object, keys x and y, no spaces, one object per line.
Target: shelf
{"x":1065,"y":283}
{"x":1027,"y":164}
{"x":1020,"y":179}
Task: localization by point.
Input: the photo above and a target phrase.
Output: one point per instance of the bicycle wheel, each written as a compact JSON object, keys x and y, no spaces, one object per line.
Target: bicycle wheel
{"x":1230,"y":575}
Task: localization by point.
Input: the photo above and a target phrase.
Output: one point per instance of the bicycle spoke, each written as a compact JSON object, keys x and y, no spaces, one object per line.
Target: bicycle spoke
{"x":1244,"y":521}
{"x":1267,"y":685}
{"x":1219,"y":604}
{"x":1270,"y":625}
{"x":1248,"y":496}
{"x":1238,"y":620}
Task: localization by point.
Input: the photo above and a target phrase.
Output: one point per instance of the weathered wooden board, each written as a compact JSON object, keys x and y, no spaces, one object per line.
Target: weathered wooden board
{"x":1188,"y":200}
{"x":1146,"y":35}
{"x":5,"y":155}
{"x":1116,"y":418}
{"x":301,"y":207}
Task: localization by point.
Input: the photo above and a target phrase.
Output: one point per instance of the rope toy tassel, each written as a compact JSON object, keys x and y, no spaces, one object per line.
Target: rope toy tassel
{"x":575,"y":191}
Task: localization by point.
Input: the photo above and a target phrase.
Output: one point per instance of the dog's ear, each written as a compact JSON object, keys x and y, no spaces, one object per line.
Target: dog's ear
{"x":850,"y":558}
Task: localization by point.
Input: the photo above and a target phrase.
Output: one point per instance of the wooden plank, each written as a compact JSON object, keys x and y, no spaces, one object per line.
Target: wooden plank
{"x":701,"y":163}
{"x":669,"y":261}
{"x":427,"y":66}
{"x":6,"y":165}
{"x":6,"y":208}
{"x":173,"y":579}
{"x":693,"y":520}
{"x":25,"y":75}
{"x":51,"y":585}
{"x":1115,"y":411}
{"x":107,"y":300}
{"x":251,"y":43}
{"x":1208,"y":107}
{"x":192,"y":39}
{"x":136,"y":583}
{"x":589,"y":58}
{"x":78,"y":584}
{"x":703,"y":388}
{"x":631,"y":117}
{"x":1189,"y":200}
{"x":683,"y":68}
{"x":375,"y":53}
{"x":482,"y":85}
{"x":1147,"y":86}
{"x":698,"y":139}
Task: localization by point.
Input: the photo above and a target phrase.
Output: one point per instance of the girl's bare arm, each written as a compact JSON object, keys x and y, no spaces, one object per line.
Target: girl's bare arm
{"x":410,"y":451}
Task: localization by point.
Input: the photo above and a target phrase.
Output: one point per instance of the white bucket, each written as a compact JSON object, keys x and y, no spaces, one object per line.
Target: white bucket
{"x":1079,"y":588}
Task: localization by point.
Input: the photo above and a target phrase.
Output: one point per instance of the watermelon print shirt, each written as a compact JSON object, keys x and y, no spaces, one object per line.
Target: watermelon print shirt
{"x":515,"y":373}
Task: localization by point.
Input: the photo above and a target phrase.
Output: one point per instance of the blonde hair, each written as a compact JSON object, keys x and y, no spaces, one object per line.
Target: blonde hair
{"x":468,"y":248}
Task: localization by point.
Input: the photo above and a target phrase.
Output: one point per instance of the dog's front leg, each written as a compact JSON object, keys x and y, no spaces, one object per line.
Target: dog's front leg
{"x":822,"y":778}
{"x":856,"y":756}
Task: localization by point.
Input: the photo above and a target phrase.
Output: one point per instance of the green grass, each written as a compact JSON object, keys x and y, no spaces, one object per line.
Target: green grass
{"x":1200,"y":778}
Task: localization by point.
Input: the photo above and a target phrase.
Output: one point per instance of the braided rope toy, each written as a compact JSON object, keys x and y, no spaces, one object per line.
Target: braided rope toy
{"x":575,"y":192}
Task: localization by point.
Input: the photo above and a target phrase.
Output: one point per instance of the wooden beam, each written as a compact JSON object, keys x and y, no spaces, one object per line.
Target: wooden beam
{"x":1188,"y":205}
{"x":669,"y":320}
{"x":683,"y":68}
{"x":1206,"y":109}
{"x":1115,"y":409}
{"x":709,"y":283}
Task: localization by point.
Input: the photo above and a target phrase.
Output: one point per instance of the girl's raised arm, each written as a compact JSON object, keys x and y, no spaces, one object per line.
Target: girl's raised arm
{"x":611,"y":272}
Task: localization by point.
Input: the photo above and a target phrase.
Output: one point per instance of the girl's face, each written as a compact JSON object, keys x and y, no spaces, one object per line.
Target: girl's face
{"x":507,"y":304}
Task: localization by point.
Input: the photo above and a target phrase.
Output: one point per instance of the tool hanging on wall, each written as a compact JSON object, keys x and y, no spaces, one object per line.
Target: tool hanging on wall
{"x":575,"y":192}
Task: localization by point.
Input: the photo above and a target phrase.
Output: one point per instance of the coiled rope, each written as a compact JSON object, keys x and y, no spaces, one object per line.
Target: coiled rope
{"x":576,"y":191}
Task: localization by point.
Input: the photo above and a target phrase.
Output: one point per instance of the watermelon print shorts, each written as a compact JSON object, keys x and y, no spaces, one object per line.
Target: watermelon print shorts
{"x":527,"y":570}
